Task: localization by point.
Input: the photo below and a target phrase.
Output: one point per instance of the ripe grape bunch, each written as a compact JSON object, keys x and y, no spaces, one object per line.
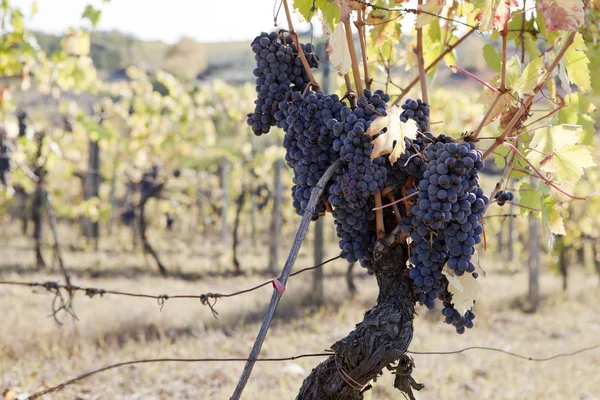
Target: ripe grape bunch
{"x":436,"y":175}
{"x":278,"y":70}
{"x":502,"y":197}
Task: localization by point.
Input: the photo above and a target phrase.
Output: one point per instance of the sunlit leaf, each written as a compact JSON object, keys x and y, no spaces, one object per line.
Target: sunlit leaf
{"x":432,"y":8}
{"x":564,"y":15}
{"x":465,"y":290}
{"x":339,"y":53}
{"x":392,"y":141}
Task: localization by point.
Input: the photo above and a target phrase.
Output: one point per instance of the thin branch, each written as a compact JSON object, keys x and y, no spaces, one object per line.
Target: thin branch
{"x":362,"y":33}
{"x":502,"y":138}
{"x":421,"y":63}
{"x":315,"y":198}
{"x":504,"y":34}
{"x":352,"y":49}
{"x":439,"y":58}
{"x":522,"y":33}
{"x":475,"y":135}
{"x":294,"y":36}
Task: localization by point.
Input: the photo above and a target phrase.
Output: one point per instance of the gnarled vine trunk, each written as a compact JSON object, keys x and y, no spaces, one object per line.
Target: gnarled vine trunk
{"x":379,"y":340}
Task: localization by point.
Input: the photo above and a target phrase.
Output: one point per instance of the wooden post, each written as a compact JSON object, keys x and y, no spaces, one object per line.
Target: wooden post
{"x":276,"y":218}
{"x":534,"y":256}
{"x":224,"y":177}
{"x":511,"y":234}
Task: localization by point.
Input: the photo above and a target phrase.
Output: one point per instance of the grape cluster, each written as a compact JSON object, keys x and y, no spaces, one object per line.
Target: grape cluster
{"x":452,"y":315}
{"x":417,"y":111}
{"x":5,"y":164}
{"x":502,"y":197}
{"x":308,"y":141}
{"x":278,"y":71}
{"x":360,"y":177}
{"x":440,"y":176}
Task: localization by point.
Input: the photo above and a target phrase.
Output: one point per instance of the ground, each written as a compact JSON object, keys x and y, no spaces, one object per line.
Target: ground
{"x":36,"y":352}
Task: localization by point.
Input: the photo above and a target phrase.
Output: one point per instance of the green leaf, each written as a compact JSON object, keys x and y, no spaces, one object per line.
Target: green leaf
{"x":329,"y":15}
{"x":384,"y":26}
{"x":92,"y":14}
{"x":576,"y":62}
{"x":531,"y":45}
{"x":492,"y":58}
{"x":569,"y":162}
{"x":530,"y":77}
{"x":33,"y":10}
{"x":529,"y":197}
{"x":433,"y":8}
{"x":552,"y":217}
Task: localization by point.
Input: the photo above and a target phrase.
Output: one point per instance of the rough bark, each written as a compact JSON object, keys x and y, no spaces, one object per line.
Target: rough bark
{"x":276,"y":219}
{"x":378,"y":341}
{"x":318,"y":290}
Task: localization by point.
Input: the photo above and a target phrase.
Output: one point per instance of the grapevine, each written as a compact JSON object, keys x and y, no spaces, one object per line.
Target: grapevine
{"x":443,"y":220}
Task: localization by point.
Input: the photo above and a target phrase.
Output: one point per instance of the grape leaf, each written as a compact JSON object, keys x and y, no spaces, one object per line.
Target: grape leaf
{"x":493,"y":13}
{"x":492,"y":58}
{"x":531,"y":45}
{"x":392,"y":141}
{"x":563,"y":15}
{"x":431,"y":7}
{"x":92,"y":14}
{"x":552,"y":217}
{"x":465,"y":290}
{"x":384,"y":26}
{"x":529,"y":198}
{"x":327,"y":12}
{"x":576,"y":63}
{"x":530,"y":77}
{"x":546,"y":141}
{"x":568,"y":162}
{"x":339,"y":54}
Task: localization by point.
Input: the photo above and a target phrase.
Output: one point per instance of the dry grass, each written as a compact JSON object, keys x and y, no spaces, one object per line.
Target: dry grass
{"x":35,"y":352}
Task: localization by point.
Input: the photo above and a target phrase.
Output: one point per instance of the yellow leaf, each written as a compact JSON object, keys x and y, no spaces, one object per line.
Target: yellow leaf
{"x":339,"y":54}
{"x":465,"y":290}
{"x":392,"y":141}
{"x":433,"y":8}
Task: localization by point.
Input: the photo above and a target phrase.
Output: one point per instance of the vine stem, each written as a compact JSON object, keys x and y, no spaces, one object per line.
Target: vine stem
{"x":504,"y":34}
{"x":352,"y":49}
{"x":315,"y":198}
{"x":475,"y":135}
{"x":360,"y":25}
{"x":294,"y":35}
{"x":435,"y":62}
{"x":421,"y":63}
{"x":502,"y":138}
